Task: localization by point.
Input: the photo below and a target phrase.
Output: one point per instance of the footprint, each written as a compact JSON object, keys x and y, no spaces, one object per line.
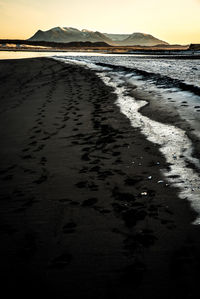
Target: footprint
{"x":4,"y":171}
{"x":42,"y":179}
{"x":33,"y":143}
{"x":89,"y":202}
{"x":8,"y":177}
{"x":133,"y":181}
{"x":82,"y":184}
{"x":26,"y":157}
{"x":65,"y":200}
{"x":32,"y":137}
{"x":122,"y":196}
{"x":85,"y":157}
{"x":39,"y":148}
{"x":43,"y":160}
{"x":132,"y":216}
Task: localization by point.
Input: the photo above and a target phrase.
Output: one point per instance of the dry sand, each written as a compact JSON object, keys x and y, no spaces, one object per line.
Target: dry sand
{"x":79,"y":214}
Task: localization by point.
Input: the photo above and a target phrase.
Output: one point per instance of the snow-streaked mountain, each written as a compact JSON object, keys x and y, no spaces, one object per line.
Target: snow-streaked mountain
{"x":69,"y":34}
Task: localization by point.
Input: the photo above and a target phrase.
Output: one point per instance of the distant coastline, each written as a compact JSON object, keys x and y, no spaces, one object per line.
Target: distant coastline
{"x":192,"y":50}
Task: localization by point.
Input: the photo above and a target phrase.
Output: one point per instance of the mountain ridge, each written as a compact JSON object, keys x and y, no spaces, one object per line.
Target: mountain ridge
{"x":70,"y":34}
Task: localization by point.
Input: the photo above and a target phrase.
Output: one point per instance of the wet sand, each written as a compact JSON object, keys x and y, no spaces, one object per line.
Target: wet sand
{"x":84,"y":208}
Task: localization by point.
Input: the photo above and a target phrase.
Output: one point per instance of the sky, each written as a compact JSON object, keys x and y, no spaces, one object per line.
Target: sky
{"x":175,"y":21}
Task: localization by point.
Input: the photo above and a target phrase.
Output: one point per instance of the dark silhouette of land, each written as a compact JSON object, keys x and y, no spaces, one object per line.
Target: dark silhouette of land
{"x":27,"y":45}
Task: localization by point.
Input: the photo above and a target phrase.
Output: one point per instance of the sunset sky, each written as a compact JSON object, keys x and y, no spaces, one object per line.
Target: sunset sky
{"x":175,"y":21}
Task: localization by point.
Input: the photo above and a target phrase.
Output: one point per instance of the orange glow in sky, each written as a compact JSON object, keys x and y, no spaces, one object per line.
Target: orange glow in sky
{"x":175,"y":21}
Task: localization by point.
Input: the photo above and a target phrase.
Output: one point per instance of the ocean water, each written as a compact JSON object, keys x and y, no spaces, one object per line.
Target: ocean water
{"x":183,"y":70}
{"x":170,"y":83}
{"x":35,"y":54}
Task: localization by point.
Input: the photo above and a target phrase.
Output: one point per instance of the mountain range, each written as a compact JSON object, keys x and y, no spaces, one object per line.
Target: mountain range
{"x":69,"y":34}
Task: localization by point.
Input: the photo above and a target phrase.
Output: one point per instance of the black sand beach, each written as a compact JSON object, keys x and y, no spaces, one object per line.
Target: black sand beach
{"x":81,"y":211}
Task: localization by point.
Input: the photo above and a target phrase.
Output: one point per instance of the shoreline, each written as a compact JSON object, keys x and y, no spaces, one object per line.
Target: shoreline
{"x":78,"y":216}
{"x":167,"y":114}
{"x":138,"y":54}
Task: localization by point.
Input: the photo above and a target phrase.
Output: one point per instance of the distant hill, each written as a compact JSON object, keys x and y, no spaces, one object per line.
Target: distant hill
{"x":69,"y":34}
{"x":142,"y":39}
